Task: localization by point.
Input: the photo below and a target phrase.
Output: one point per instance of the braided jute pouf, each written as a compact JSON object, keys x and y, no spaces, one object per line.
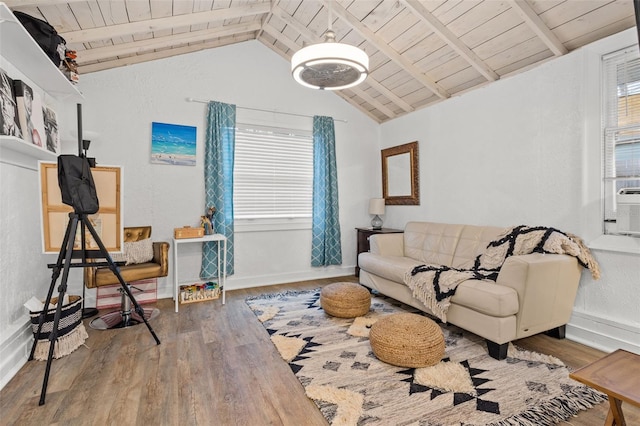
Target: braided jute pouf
{"x":407,"y":340}
{"x":345,"y":300}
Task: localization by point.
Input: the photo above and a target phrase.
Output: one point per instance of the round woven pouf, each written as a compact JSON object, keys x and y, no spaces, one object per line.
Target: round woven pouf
{"x":407,"y":340}
{"x":345,"y":300}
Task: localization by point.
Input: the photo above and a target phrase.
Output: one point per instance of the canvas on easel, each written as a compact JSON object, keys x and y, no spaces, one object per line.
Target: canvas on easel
{"x":55,"y":214}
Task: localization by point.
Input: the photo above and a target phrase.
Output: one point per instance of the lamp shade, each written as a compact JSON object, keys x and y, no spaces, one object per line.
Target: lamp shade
{"x":330,"y":65}
{"x":376,"y":206}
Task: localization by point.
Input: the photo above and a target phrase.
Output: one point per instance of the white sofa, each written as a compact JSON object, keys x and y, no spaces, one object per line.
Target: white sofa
{"x":533,"y":293}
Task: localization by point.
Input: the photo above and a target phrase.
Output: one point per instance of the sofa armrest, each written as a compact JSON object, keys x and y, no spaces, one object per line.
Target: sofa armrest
{"x":546,"y":285}
{"x":161,"y":256}
{"x":387,"y":244}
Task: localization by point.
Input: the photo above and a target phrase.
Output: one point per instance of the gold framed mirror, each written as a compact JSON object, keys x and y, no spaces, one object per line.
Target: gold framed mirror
{"x":400,"y":177}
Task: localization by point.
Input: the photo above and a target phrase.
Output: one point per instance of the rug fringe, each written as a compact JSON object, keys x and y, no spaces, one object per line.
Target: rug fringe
{"x":288,"y":293}
{"x":557,"y":409}
{"x":64,"y":344}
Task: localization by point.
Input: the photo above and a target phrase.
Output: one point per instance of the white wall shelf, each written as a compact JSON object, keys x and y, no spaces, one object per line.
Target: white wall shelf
{"x":17,"y":145}
{"x":21,"y":50}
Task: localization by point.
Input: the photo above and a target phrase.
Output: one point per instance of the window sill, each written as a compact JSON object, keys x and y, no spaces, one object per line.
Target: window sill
{"x":616,"y":243}
{"x":266,"y":225}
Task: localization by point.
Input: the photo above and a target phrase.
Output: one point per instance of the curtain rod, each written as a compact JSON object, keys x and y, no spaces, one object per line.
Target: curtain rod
{"x":264,"y":110}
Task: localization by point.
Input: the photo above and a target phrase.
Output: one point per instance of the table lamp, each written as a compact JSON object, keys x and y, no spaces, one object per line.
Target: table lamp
{"x":376,"y":208}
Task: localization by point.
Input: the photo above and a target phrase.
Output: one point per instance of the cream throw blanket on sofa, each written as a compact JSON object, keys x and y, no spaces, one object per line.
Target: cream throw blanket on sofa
{"x":434,"y":285}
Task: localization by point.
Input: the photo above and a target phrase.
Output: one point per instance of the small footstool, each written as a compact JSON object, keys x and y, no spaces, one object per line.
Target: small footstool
{"x":345,"y":300}
{"x":407,"y":340}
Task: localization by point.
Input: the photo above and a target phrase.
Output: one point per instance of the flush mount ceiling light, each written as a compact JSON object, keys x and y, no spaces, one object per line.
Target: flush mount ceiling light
{"x":330,"y":65}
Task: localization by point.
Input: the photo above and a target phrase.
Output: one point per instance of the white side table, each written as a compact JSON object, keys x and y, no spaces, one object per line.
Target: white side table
{"x":222,"y":277}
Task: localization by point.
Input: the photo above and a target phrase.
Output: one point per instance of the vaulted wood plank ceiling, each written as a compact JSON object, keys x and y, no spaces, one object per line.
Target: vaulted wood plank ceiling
{"x":421,"y":51}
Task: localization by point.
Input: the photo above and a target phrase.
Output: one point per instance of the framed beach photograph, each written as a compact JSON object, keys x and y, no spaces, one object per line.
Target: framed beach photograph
{"x":173,"y":144}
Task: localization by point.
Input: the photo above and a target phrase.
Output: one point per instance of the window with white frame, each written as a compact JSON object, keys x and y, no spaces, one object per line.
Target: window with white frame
{"x":273,"y":173}
{"x":621,"y":120}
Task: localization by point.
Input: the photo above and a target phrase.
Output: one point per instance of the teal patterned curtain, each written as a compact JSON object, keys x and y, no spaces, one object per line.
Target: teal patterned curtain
{"x":218,"y":182}
{"x":326,"y":247}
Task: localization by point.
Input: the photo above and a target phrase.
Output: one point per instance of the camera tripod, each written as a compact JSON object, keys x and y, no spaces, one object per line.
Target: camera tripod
{"x":63,"y":264}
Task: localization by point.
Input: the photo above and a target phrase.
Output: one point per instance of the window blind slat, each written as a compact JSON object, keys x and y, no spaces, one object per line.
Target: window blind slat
{"x":621,"y":122}
{"x":273,"y":174}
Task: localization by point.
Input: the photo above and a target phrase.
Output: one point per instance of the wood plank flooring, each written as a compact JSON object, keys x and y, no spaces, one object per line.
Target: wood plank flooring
{"x":215,"y":366}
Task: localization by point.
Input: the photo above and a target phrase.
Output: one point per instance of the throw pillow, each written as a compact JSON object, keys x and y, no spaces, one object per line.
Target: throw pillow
{"x":135,"y":252}
{"x":139,"y":251}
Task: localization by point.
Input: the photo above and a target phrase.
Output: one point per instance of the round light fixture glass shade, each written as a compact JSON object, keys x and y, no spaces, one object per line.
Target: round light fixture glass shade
{"x":330,"y":65}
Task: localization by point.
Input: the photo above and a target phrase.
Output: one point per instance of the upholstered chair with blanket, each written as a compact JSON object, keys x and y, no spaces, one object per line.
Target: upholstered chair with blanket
{"x":144,"y":259}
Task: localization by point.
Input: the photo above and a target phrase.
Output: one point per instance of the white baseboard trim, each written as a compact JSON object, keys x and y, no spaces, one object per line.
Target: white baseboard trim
{"x":603,"y":334}
{"x":14,"y":351}
{"x":236,"y":283}
{"x":266,"y":280}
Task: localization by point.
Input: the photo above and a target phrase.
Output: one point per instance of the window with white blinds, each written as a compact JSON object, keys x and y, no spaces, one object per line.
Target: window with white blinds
{"x":621,"y":119}
{"x":273,"y":173}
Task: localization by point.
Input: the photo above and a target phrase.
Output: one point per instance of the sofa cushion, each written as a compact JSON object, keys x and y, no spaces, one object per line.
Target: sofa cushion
{"x":487,"y":298}
{"x":136,"y":272}
{"x":390,"y":267}
{"x":431,"y":243}
{"x":472,"y":242}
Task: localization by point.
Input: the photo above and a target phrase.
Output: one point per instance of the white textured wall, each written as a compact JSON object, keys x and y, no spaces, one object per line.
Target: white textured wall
{"x":23,"y":266}
{"x":121,"y":104}
{"x":525,"y":150}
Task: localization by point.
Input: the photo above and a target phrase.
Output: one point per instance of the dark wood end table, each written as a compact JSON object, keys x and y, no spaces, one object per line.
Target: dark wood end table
{"x":363,"y":240}
{"x":617,"y":375}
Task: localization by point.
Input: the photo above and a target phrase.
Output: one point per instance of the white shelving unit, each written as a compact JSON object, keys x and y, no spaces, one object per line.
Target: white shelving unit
{"x":222,"y":262}
{"x":20,"y":49}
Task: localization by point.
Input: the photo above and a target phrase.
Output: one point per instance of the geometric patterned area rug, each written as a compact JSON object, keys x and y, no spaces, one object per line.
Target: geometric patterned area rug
{"x":333,"y":360}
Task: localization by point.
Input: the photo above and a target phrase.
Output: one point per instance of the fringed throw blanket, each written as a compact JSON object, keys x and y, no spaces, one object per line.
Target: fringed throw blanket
{"x":434,"y":285}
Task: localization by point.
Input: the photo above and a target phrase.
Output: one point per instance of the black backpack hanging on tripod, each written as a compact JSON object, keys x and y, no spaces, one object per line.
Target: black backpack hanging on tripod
{"x":76,"y":184}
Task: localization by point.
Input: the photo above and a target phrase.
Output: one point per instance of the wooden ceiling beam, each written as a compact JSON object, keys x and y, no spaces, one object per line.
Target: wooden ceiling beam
{"x":265,"y":19}
{"x":150,"y":25}
{"x":373,"y":102}
{"x":297,"y":26}
{"x":273,"y":32}
{"x":383,"y":46}
{"x":38,"y":3}
{"x":99,"y":66}
{"x":454,"y":42}
{"x":137,"y":47}
{"x":389,"y":94}
{"x":531,"y":18}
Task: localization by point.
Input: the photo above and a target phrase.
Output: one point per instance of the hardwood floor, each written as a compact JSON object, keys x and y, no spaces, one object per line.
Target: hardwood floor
{"x":215,"y":366}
